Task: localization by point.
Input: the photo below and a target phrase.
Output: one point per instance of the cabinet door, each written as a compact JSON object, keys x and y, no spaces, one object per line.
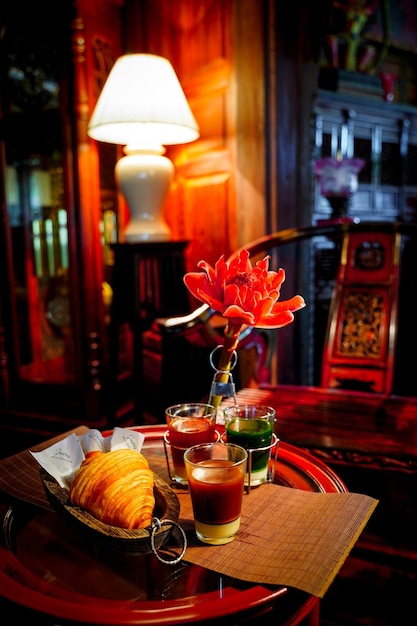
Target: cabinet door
{"x":39,"y":334}
{"x":53,"y":256}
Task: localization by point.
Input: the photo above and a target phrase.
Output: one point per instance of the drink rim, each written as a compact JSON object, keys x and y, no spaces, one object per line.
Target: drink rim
{"x":217,"y":443}
{"x":184,"y":448}
{"x":208,"y":409}
{"x":234,"y":411}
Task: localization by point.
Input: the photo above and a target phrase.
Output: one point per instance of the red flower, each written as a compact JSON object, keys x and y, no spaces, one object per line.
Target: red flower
{"x":244,"y":295}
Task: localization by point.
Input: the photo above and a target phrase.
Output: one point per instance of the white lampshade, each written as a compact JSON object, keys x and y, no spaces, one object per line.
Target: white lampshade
{"x":142,"y":106}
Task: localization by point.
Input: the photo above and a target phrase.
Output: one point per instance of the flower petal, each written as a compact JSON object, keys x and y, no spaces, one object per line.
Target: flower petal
{"x":242,"y":293}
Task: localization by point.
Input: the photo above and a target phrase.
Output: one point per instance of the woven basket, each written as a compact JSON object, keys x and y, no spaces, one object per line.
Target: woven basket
{"x":167,"y":507}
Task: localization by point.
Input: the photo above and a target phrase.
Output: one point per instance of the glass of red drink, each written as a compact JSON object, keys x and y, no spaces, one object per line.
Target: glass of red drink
{"x":188,"y":424}
{"x":216,"y":474}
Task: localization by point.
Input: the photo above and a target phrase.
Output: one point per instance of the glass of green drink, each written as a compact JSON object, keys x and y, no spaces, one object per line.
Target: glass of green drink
{"x":252,"y":427}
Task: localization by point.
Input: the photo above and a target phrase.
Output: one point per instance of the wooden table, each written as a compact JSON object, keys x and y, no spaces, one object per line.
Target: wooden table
{"x":48,"y":572}
{"x":350,"y":427}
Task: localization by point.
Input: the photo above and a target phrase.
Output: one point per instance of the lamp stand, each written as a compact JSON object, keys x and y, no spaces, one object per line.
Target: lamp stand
{"x":144,"y":176}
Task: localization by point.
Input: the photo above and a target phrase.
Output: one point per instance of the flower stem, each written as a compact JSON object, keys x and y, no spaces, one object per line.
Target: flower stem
{"x":231,"y":340}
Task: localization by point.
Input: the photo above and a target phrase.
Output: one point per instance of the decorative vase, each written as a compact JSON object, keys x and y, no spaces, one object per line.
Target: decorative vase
{"x":338,"y":179}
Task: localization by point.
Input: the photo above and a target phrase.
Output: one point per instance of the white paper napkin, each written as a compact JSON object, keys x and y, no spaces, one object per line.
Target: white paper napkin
{"x":63,"y":459}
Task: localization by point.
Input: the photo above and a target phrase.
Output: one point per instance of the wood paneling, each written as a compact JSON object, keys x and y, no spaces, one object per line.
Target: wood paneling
{"x":217,"y":201}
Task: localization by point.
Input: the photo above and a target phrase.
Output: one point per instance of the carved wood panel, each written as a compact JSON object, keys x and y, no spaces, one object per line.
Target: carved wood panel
{"x":362,"y":325}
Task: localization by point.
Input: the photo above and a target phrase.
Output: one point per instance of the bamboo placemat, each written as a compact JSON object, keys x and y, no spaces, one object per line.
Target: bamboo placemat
{"x":287,"y":537}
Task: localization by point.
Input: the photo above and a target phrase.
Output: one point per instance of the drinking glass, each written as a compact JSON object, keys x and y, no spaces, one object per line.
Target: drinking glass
{"x":252,"y":427}
{"x":188,"y":424}
{"x":216,"y":473}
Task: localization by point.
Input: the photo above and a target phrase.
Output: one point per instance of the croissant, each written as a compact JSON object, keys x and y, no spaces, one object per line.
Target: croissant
{"x":116,"y":487}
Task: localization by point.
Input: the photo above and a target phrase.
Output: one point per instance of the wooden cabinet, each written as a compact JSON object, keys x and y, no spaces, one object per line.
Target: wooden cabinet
{"x":384,"y":135}
{"x":55,"y":214}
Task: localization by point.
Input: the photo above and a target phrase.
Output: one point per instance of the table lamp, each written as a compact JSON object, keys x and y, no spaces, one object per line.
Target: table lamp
{"x":142,"y":106}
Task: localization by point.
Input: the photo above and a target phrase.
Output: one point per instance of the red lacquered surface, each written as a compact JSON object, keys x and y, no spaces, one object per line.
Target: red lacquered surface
{"x":54,"y":573}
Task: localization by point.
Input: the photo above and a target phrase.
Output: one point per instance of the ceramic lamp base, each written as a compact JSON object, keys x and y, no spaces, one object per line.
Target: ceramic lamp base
{"x":144,"y":177}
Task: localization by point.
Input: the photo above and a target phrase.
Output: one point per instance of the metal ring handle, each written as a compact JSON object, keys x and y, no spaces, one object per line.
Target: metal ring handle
{"x":156,"y":524}
{"x":232,"y":365}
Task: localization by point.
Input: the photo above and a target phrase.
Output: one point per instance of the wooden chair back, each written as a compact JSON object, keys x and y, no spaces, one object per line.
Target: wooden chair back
{"x":356,"y":332}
